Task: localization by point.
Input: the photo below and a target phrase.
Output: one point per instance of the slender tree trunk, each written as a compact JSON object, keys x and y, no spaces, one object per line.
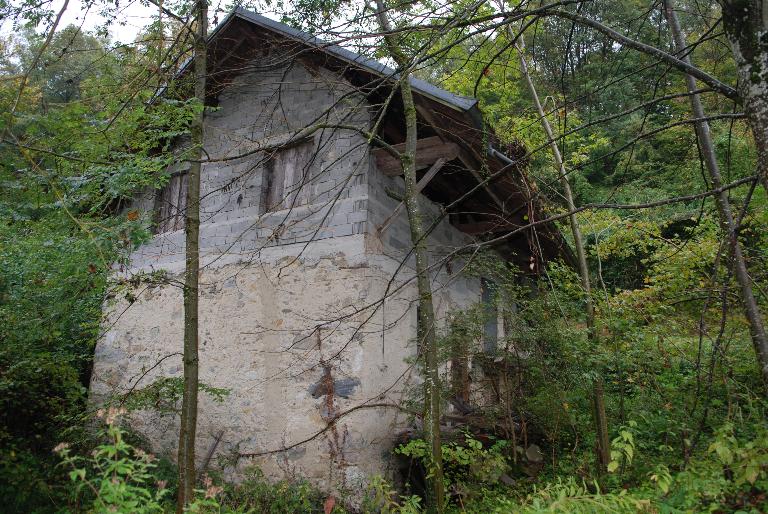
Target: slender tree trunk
{"x":751,"y":309}
{"x":188,"y":426}
{"x":603,"y":444}
{"x":426,"y":321}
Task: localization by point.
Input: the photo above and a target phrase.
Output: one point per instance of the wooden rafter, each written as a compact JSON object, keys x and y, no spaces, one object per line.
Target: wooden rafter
{"x":485,"y":227}
{"x":420,"y":185}
{"x":428,"y":151}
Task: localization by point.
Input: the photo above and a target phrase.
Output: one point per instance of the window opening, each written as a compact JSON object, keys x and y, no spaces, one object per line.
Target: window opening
{"x":287,"y":177}
{"x":171,"y":204}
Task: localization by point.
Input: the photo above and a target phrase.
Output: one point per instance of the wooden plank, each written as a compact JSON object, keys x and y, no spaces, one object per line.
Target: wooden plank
{"x":420,"y":185}
{"x":428,"y":151}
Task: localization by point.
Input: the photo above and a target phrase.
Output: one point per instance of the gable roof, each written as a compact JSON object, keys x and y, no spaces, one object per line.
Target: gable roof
{"x":458,"y":102}
{"x":450,"y":116}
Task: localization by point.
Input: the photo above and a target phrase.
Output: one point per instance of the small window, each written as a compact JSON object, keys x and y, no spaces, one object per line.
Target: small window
{"x":287,"y":177}
{"x":490,"y":315}
{"x":171,"y":204}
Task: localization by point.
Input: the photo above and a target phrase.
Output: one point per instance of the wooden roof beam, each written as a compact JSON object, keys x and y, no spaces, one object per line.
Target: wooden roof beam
{"x":420,"y":185}
{"x":428,"y":151}
{"x":486,"y":227}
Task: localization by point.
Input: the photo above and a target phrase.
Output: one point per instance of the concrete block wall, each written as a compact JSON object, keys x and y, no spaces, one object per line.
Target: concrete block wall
{"x":347,"y":193}
{"x":395,"y":240}
{"x":261,"y":110}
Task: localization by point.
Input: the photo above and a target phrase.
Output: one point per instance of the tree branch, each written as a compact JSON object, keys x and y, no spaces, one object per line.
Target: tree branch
{"x":681,"y":65}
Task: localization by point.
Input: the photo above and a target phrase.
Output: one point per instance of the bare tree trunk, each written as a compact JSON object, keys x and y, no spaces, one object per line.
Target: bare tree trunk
{"x":426,"y":321}
{"x":751,"y":309}
{"x":603,"y":444}
{"x":188,"y":428}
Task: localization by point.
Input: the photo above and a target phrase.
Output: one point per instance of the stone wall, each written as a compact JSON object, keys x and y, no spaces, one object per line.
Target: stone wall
{"x":271,"y":341}
{"x":303,"y":314}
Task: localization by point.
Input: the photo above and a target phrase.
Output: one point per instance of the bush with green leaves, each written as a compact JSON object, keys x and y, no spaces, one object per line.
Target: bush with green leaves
{"x":731,"y":475}
{"x":466,"y":465}
{"x":257,"y":494}
{"x":115,"y":477}
{"x":119,"y":477}
{"x":560,"y":497}
{"x":52,"y":285}
{"x":382,"y":497}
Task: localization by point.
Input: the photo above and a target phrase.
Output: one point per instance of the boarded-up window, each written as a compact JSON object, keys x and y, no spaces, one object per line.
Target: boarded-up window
{"x":171,"y":204}
{"x":287,"y":176}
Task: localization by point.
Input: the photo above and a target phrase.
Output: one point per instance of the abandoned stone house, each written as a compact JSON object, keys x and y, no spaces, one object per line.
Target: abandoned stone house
{"x":307,"y":299}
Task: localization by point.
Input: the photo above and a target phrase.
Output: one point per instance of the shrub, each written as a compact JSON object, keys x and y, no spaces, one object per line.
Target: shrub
{"x":256,"y":494}
{"x":466,"y":466}
{"x":116,"y":477}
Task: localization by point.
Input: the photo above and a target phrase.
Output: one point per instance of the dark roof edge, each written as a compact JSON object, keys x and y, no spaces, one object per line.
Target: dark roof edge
{"x":458,"y":102}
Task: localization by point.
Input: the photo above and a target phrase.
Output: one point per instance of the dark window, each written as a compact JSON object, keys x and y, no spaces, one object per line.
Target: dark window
{"x":287,"y":174}
{"x":490,"y":315}
{"x":171,"y":204}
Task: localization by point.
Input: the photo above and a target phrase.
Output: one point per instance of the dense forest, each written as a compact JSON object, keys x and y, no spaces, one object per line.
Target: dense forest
{"x":634,"y":367}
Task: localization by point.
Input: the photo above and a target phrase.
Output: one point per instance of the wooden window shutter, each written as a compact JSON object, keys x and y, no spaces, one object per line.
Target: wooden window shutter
{"x":491,"y":322}
{"x":288,"y":173}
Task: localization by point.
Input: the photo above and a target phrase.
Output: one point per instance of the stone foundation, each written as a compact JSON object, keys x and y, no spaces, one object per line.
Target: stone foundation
{"x":296,"y":342}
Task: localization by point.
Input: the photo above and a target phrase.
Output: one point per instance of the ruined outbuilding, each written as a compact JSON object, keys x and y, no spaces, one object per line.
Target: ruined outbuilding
{"x":308,"y":310}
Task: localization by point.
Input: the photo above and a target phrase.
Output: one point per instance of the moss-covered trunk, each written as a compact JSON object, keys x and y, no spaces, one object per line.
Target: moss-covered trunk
{"x":427,"y":342}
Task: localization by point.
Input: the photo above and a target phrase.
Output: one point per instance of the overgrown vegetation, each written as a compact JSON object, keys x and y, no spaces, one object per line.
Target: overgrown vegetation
{"x":683,"y":392}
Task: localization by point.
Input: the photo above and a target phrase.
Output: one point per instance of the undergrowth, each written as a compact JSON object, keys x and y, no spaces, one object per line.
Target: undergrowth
{"x":729,"y":475}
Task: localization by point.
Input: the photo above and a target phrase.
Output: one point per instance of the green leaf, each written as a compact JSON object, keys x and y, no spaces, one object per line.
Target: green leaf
{"x":77,"y":473}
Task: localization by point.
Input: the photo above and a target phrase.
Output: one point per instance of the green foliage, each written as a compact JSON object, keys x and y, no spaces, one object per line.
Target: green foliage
{"x":119,"y":477}
{"x":52,"y":283}
{"x":466,"y":466}
{"x":677,"y":390}
{"x":68,"y":158}
{"x":622,"y":448}
{"x":164,"y":395}
{"x":256,"y":494}
{"x":731,"y":475}
{"x":571,"y":497}
{"x":116,"y":477}
{"x":383,"y":498}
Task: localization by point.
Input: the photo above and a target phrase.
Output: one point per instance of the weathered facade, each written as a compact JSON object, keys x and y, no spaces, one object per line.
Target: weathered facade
{"x":307,"y":310}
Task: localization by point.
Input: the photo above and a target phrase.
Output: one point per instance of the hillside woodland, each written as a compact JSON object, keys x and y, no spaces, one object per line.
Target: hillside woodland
{"x":633,"y":371}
